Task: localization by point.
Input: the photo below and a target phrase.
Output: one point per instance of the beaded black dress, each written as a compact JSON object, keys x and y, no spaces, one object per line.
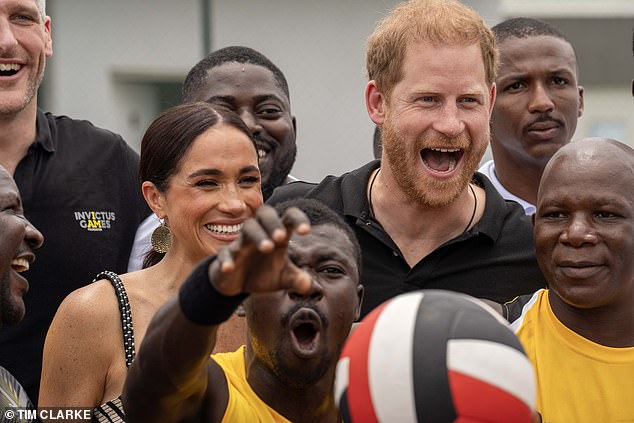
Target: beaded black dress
{"x":112,"y":411}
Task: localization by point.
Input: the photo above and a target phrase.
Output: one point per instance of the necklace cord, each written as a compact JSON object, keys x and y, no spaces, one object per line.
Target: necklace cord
{"x":370,"y":193}
{"x":475,"y":207}
{"x":473,"y":213}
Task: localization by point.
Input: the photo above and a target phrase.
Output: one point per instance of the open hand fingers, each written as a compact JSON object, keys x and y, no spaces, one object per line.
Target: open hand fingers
{"x":295,"y":221}
{"x":296,"y":279}
{"x":269,"y":230}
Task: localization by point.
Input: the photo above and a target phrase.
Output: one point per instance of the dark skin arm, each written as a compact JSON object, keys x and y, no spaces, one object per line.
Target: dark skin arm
{"x":172,"y":378}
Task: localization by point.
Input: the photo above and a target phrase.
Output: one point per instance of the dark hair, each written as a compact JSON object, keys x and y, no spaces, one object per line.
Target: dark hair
{"x":170,"y":136}
{"x":526,"y":27}
{"x":320,"y":214}
{"x":197,"y":76}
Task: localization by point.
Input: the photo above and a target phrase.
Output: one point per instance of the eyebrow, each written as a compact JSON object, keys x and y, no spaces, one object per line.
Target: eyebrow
{"x":231,"y":99}
{"x":225,"y":98}
{"x":218,"y":172}
{"x":12,"y":197}
{"x":265,"y":97}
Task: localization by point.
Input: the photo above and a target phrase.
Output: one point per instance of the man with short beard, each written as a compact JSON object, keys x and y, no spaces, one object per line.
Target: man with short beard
{"x":78,"y":182}
{"x":423,"y":216}
{"x":297,"y":269}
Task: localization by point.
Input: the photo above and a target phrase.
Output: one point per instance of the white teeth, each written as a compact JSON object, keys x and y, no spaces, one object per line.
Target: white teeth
{"x":261,"y":153}
{"x":20,"y":264}
{"x":9,"y":67}
{"x":452,"y":165}
{"x":225,"y":229}
{"x":446,"y":150}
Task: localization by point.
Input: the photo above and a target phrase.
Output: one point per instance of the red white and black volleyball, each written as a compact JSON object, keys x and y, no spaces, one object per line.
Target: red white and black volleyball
{"x":434,"y":356}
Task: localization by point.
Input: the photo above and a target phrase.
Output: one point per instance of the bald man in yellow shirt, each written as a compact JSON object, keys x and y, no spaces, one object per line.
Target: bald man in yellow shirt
{"x":579,"y":333}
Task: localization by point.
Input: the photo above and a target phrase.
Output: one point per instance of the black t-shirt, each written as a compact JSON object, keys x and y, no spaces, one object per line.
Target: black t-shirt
{"x":80,"y":188}
{"x":495,"y":259}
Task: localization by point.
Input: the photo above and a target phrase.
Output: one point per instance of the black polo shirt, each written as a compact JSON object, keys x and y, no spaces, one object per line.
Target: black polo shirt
{"x":495,"y":259}
{"x":80,"y":188}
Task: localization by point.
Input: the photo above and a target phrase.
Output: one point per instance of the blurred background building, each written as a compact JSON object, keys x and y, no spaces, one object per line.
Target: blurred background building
{"x":118,"y":63}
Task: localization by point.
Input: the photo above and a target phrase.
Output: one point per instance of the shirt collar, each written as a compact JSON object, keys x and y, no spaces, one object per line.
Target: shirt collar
{"x":488,"y":169}
{"x":354,"y":186}
{"x":496,"y":210}
{"x":43,"y":136}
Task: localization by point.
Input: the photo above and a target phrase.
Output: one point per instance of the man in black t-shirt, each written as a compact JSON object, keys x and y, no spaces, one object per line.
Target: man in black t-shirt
{"x":423,"y":216}
{"x":79,"y":186}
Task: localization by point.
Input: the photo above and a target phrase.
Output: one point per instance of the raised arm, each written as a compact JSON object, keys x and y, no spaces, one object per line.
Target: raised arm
{"x":173,"y":378}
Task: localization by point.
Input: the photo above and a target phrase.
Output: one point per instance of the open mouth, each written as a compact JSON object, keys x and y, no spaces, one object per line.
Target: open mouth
{"x":225,"y":229}
{"x":20,"y":264}
{"x":441,"y":160}
{"x":305,"y":329}
{"x":9,"y":69}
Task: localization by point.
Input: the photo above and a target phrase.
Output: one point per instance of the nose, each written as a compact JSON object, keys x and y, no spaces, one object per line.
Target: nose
{"x":232,"y":202}
{"x":32,"y":236}
{"x":251,"y":120}
{"x":7,"y":37}
{"x":540,"y":101}
{"x":449,"y":122}
{"x":579,"y":232}
{"x":314,"y":293}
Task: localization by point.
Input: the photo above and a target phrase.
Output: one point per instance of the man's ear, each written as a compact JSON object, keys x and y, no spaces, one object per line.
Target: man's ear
{"x":581,"y":104}
{"x":375,"y":102}
{"x":154,"y":198}
{"x":357,"y":313}
{"x":294,"y":121}
{"x":494,"y":92}
{"x":48,"y":41}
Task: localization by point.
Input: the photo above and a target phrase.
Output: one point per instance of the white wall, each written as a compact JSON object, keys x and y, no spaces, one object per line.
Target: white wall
{"x":106,"y":52}
{"x":101,"y":46}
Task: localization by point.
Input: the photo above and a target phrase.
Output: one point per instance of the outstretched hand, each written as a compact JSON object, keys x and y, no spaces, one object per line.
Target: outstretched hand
{"x":258,"y":261}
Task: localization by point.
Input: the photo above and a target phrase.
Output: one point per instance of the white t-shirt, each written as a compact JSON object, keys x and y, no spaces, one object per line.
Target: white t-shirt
{"x":488,"y":169}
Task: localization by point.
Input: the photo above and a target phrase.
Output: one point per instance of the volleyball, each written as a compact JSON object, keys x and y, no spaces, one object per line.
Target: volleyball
{"x":434,"y":356}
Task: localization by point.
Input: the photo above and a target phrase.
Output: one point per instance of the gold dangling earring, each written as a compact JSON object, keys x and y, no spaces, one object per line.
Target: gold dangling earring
{"x":161,"y":238}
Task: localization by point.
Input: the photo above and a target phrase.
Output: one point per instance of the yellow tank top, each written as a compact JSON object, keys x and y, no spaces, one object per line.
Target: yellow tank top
{"x":244,"y":404}
{"x":577,"y":379}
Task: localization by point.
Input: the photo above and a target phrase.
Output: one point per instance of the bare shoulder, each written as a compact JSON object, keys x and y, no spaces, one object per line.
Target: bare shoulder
{"x":93,"y":305}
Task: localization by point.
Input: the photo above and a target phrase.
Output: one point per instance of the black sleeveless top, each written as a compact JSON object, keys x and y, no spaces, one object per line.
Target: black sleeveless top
{"x":112,"y":411}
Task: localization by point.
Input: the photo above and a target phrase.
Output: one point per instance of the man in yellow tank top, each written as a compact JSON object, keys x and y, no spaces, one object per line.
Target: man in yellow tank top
{"x":579,"y":333}
{"x":298,"y":273}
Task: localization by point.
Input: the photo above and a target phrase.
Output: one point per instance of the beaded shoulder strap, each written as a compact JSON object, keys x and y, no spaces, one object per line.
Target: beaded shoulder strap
{"x":126,"y":314}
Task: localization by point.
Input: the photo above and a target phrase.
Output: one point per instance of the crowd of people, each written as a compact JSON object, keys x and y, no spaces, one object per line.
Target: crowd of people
{"x":200,"y":281}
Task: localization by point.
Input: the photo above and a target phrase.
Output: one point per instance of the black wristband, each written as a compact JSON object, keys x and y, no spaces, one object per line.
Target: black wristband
{"x":201,"y":303}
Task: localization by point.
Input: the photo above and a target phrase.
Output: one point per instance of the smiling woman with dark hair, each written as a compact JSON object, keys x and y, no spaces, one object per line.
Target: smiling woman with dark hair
{"x":199,"y":167}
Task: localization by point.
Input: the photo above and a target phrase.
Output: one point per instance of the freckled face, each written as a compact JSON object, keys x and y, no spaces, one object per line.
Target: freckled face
{"x":436,"y":127}
{"x":216,"y":188}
